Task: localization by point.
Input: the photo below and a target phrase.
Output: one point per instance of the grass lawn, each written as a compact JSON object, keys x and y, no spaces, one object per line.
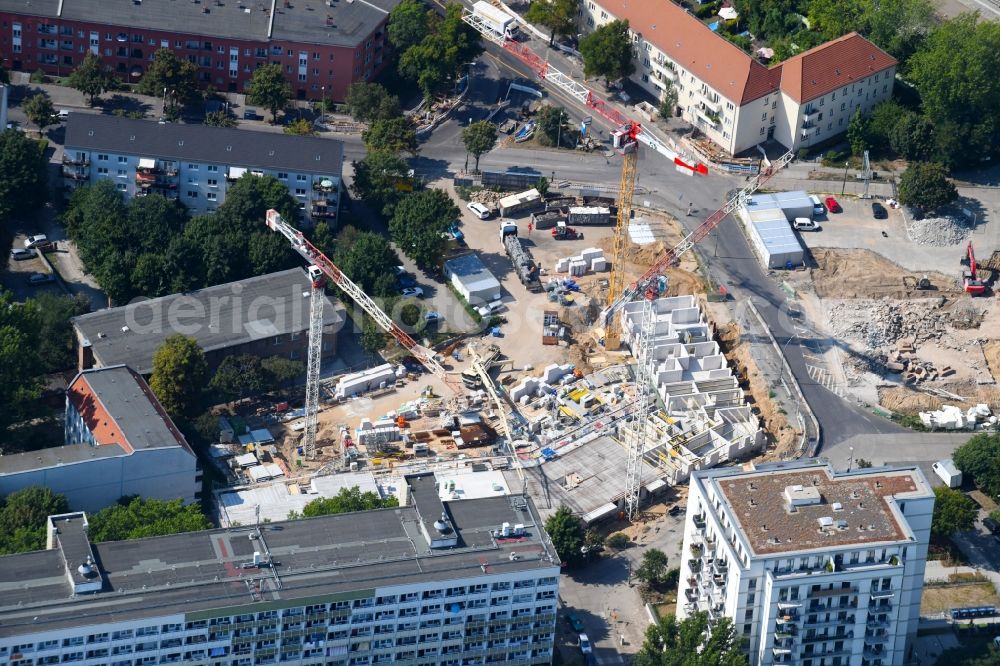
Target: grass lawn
{"x":939,"y":598}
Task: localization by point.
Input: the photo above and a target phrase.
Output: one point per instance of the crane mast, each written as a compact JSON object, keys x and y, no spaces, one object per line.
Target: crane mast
{"x":629,"y":148}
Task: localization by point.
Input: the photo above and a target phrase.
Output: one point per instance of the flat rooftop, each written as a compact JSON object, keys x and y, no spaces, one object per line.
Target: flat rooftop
{"x":216,"y":317}
{"x":309,"y":21}
{"x":199,"y":572}
{"x":830,"y":509}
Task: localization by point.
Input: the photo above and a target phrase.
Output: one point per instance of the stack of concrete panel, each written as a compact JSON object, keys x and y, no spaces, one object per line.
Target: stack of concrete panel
{"x":591,"y":259}
{"x":577,"y":267}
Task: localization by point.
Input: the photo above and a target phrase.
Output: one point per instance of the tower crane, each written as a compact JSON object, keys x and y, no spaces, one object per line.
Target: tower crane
{"x":320,"y":270}
{"x":626,"y":143}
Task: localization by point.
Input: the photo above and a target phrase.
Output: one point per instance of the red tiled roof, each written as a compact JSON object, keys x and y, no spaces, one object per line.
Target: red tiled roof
{"x":821,"y":70}
{"x":689,"y":42}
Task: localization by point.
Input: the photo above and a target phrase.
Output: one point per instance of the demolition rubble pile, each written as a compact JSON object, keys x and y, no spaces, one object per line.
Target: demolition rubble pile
{"x":939,"y":231}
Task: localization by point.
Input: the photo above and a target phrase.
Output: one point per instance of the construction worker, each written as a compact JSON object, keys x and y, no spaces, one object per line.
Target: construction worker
{"x":530,"y":227}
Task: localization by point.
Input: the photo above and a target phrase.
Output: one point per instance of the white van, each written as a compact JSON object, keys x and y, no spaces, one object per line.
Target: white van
{"x":804,"y":224}
{"x":818,"y":208}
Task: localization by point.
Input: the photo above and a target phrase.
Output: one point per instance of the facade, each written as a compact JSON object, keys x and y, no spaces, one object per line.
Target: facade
{"x":195,"y":164}
{"x":267,"y":315}
{"x":732,"y":98}
{"x":118,"y":441}
{"x":471,"y":279}
{"x":434,"y":583}
{"x":322,"y":46}
{"x":814,"y":567}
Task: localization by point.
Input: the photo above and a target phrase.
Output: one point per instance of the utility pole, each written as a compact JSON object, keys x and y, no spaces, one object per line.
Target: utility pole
{"x":844,"y":186}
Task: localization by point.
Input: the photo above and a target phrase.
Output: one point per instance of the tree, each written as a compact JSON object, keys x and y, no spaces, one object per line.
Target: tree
{"x":551,"y":124}
{"x":559,"y":16}
{"x":607,"y":51}
{"x":55,"y":341}
{"x":653,"y":569}
{"x":926,"y":184}
{"x":409,"y":23}
{"x":39,"y":110}
{"x":365,"y":257}
{"x":979,"y":458}
{"x":24,"y":182}
{"x":136,"y":518}
{"x":269,"y":253}
{"x":898,"y":26}
{"x":220,"y":119}
{"x":300,"y":127}
{"x":179,"y":374}
{"x":248,"y":200}
{"x":348,"y":500}
{"x":368,"y":102}
{"x":593,"y":540}
{"x":373,"y":339}
{"x":566,"y":532}
{"x":172,"y":78}
{"x":268,"y":88}
{"x":418,"y":223}
{"x":479,"y":139}
{"x":20,"y":364}
{"x":394,"y":135}
{"x":953,"y":512}
{"x":91,"y":78}
{"x":691,"y":642}
{"x":448,"y":43}
{"x":378,"y":179}
{"x":278,"y":370}
{"x":618,"y":541}
{"x":913,"y":136}
{"x":24,"y":516}
{"x":857,"y":134}
{"x":864,"y":464}
{"x":668,"y":100}
{"x":959,"y":82}
{"x":238,"y":377}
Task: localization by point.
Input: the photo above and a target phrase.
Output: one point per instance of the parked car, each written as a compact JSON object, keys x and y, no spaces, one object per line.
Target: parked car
{"x":35,"y":241}
{"x":818,"y":208}
{"x":413,"y":292}
{"x":406,"y":280}
{"x":479,"y":210}
{"x":251,"y":114}
{"x":456,"y":233}
{"x":41,"y":278}
{"x":20,"y":254}
{"x":63,"y":114}
{"x":879,"y":211}
{"x":832,"y":205}
{"x":432,"y":316}
{"x":585,"y":646}
{"x":575,"y":623}
{"x":804,"y":224}
{"x":490,"y":308}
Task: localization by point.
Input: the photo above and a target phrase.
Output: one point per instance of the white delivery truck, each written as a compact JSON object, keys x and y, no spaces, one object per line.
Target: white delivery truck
{"x":501,"y":23}
{"x":950,"y":474}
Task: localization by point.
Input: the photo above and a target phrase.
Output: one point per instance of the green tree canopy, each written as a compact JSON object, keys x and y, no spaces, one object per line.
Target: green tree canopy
{"x":607,"y":51}
{"x":690,"y":642}
{"x":91,"y":78}
{"x":418,"y":223}
{"x":958,"y":78}
{"x":20,"y":365}
{"x":394,"y":135}
{"x":348,"y":500}
{"x":55,"y":342}
{"x":953,"y":512}
{"x":278,"y":370}
{"x":220,"y":119}
{"x":238,"y":376}
{"x":857,"y":134}
{"x":24,"y":184}
{"x":926,"y":184}
{"x":366,"y":257}
{"x":447,"y":44}
{"x":378,"y":180}
{"x":566,"y":532}
{"x":979,"y":458}
{"x":479,"y":139}
{"x":373,"y":338}
{"x":668,"y":100}
{"x":137,"y":518}
{"x":368,"y":102}
{"x":39,"y":110}
{"x":409,"y":23}
{"x":300,"y":127}
{"x":178,"y":77}
{"x":898,"y":26}
{"x":559,"y":16}
{"x":23,"y":517}
{"x":268,"y":88}
{"x":179,"y":374}
{"x":551,"y":124}
{"x":773,"y":19}
{"x":652,"y":570}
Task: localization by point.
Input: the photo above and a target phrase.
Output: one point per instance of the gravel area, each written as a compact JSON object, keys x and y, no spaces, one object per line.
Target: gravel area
{"x":939,"y":231}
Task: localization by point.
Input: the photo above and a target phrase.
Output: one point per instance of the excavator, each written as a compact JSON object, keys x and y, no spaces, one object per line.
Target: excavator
{"x":970,"y":278}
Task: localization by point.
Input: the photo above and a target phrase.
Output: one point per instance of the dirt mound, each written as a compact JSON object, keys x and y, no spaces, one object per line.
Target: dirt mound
{"x":904,"y":400}
{"x":991,"y":350}
{"x":865,"y":274}
{"x":682,"y":279}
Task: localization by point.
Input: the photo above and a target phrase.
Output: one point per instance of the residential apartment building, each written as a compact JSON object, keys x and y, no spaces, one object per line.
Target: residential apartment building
{"x":195,"y":164}
{"x":267,"y":315}
{"x":814,"y":567}
{"x":322,"y":45}
{"x":118,"y":441}
{"x":430,"y":584}
{"x":733,"y":99}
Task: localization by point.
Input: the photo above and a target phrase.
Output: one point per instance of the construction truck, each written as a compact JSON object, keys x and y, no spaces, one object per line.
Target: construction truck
{"x":562,"y":232}
{"x":524,"y":264}
{"x":496,"y":21}
{"x":971,"y":281}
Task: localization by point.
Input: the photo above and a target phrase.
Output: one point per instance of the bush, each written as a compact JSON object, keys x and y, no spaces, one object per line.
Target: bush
{"x":707,"y":10}
{"x":39,"y":76}
{"x":618,"y":541}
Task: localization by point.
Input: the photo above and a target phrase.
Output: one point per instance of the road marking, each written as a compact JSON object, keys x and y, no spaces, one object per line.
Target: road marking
{"x":825,"y":378}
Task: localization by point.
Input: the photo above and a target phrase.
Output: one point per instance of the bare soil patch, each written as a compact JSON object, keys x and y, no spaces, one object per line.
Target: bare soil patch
{"x":841,"y":273}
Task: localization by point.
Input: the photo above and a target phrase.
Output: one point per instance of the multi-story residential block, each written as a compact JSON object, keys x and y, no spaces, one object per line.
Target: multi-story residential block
{"x":118,"y":441}
{"x":430,"y":584}
{"x":267,"y":315}
{"x":735,"y":100}
{"x":196,"y":163}
{"x":322,"y":45}
{"x":814,"y":567}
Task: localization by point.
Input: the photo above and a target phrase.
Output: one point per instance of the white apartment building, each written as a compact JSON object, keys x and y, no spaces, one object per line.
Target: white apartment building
{"x":814,"y":567}
{"x":732,"y":98}
{"x":195,"y":164}
{"x":430,"y":584}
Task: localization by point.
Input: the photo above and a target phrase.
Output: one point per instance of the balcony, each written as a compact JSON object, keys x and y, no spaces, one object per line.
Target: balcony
{"x":879,"y":608}
{"x":882,"y":594}
{"x":810,"y":113}
{"x":832,"y":622}
{"x":835,"y":592}
{"x":822,"y":638}
{"x":707,"y":115}
{"x":877,"y":624}
{"x":325,"y":185}
{"x":664,"y":69}
{"x":76,"y":161}
{"x":699,"y":520}
{"x":76,"y":173}
{"x":709,"y":104}
{"x":875,"y":637}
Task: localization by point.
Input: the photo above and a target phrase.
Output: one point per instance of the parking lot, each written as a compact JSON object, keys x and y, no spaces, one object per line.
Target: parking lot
{"x":17,"y":279}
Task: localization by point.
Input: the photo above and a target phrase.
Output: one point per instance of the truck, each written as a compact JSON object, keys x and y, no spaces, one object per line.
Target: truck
{"x":562,"y":232}
{"x":589,"y":215}
{"x":950,"y":474}
{"x":527,"y":201}
{"x":501,"y":23}
{"x":524,"y":264}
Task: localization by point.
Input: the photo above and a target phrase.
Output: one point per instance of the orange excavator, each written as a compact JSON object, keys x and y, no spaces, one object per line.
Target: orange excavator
{"x":973,"y":285}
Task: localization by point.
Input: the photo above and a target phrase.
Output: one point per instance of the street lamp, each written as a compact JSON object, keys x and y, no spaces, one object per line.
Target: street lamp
{"x":844,"y":186}
{"x":850,"y":463}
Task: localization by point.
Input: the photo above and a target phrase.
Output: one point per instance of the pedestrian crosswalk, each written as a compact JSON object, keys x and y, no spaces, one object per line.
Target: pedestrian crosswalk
{"x":825,"y":378}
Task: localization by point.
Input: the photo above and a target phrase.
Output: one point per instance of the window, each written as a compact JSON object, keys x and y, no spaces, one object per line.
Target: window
{"x":123,"y":173}
{"x":122,"y":159}
{"x":193,"y":167}
{"x":212,"y":168}
{"x":300,"y":191}
{"x":211,"y":196}
{"x":301,"y":177}
{"x":763,"y":117}
{"x":282,"y":175}
{"x":102,"y":157}
{"x":302,"y":77}
{"x":212,"y":182}
{"x":121,"y":187}
{"x":192,"y":194}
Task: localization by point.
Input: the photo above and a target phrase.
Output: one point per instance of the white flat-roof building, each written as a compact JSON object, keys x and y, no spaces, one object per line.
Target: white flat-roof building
{"x":814,"y":567}
{"x":471,"y":278}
